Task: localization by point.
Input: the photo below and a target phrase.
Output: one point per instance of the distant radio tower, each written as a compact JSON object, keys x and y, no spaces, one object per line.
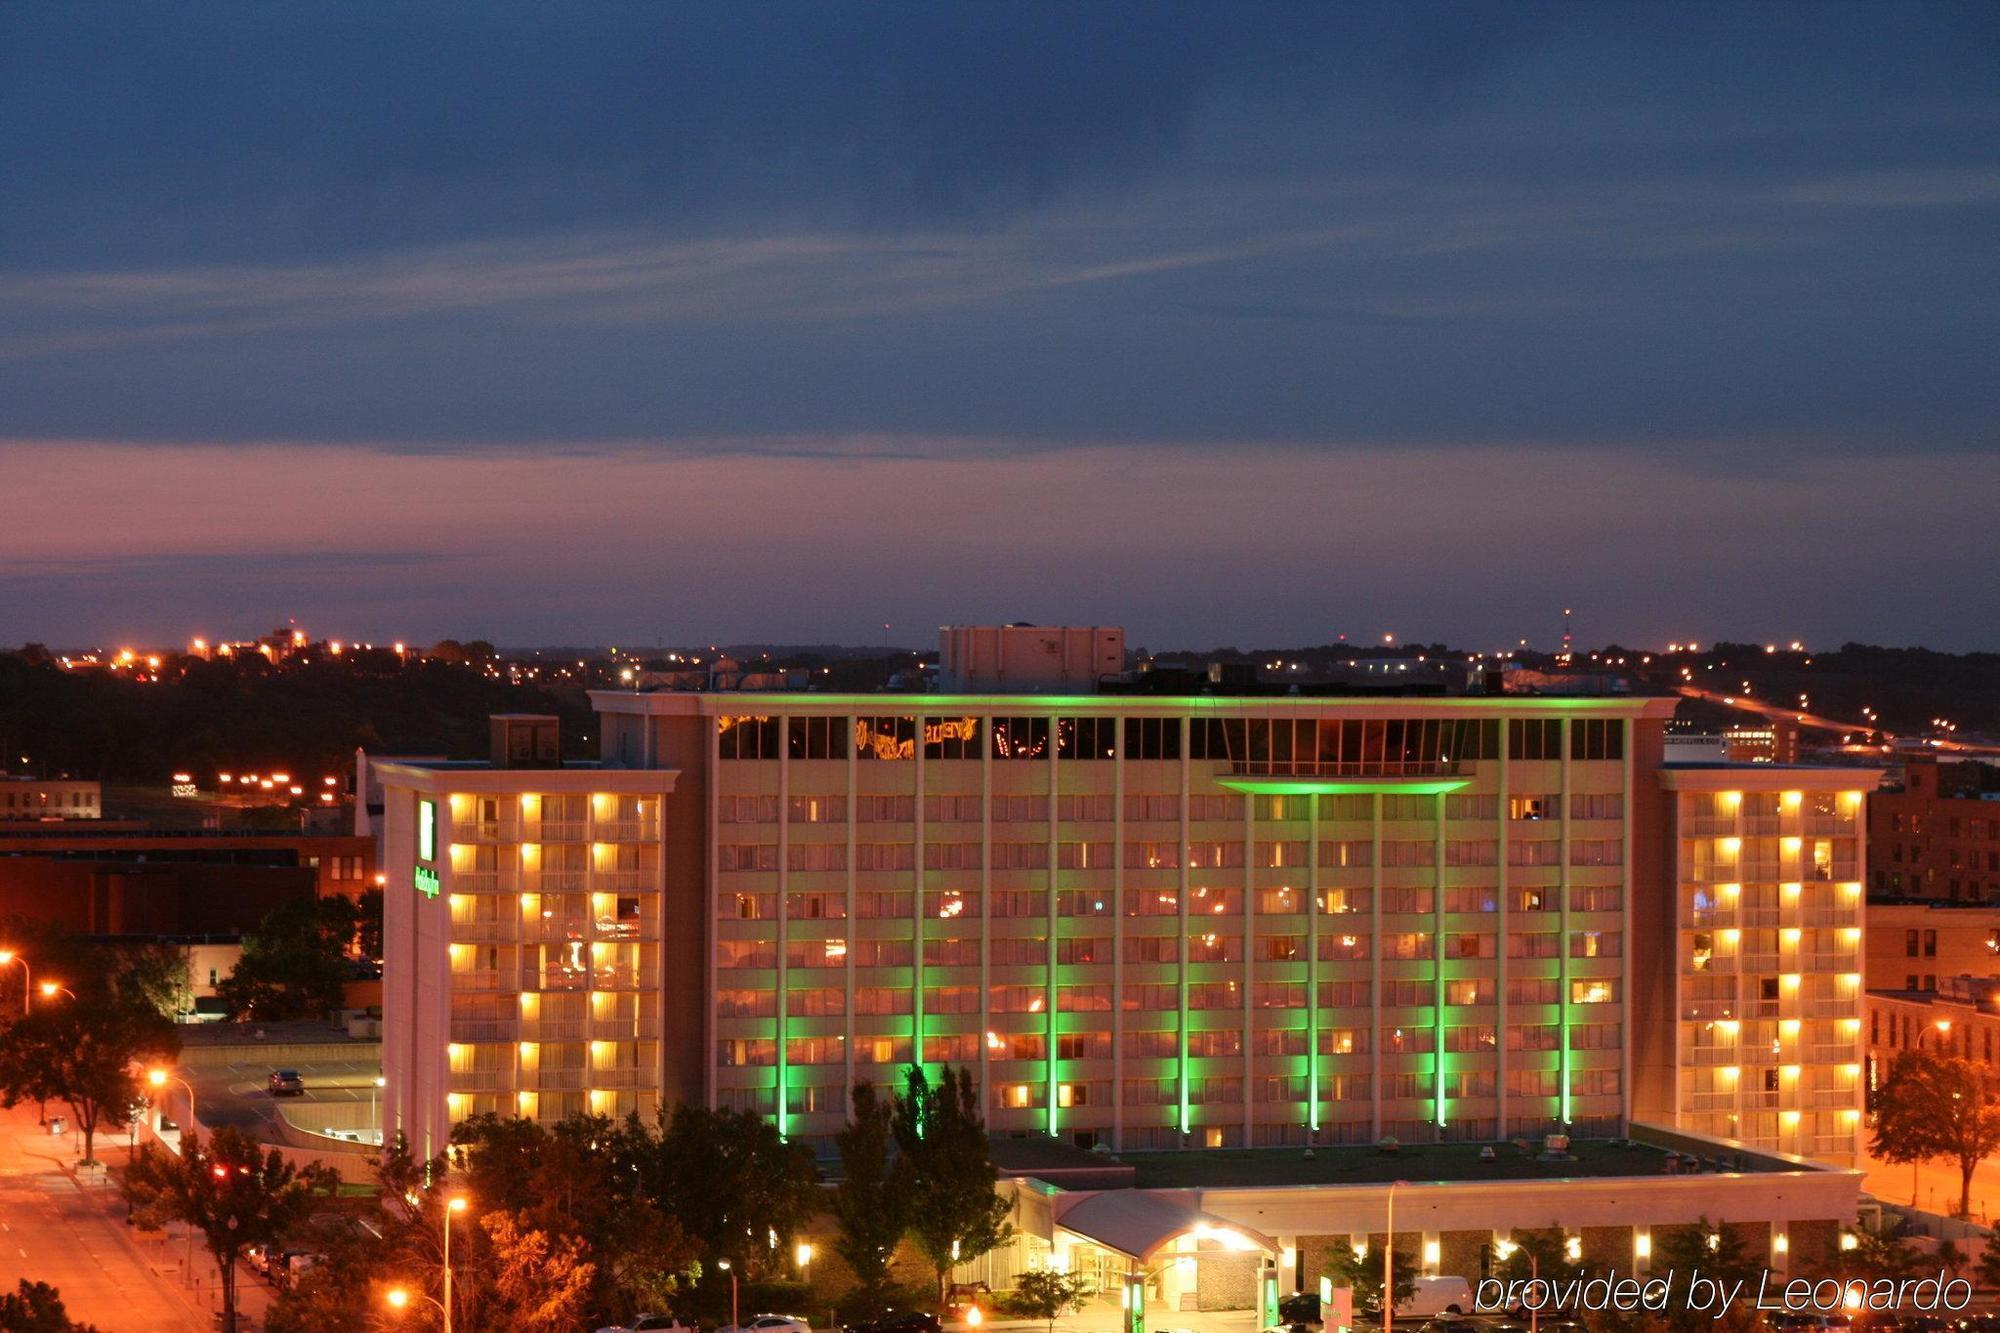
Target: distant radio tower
{"x":1568,"y":640}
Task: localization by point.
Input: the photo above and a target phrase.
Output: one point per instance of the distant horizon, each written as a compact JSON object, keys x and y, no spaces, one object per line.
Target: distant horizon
{"x":718,"y":322}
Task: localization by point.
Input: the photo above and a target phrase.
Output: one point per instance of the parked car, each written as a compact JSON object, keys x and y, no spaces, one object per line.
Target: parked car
{"x":898,"y":1321}
{"x":289,"y":1267}
{"x":650,"y":1323}
{"x":258,"y":1257}
{"x":769,"y":1323}
{"x":287,"y":1083}
{"x":967,"y":1302}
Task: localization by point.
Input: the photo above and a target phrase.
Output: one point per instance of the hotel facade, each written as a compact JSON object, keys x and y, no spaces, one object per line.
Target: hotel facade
{"x":1144,"y":920}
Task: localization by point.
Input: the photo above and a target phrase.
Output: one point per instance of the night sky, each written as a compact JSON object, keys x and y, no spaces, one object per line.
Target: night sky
{"x":611,"y":323}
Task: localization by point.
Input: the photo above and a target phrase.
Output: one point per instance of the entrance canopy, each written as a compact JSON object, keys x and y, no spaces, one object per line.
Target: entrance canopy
{"x":1140,"y":1224}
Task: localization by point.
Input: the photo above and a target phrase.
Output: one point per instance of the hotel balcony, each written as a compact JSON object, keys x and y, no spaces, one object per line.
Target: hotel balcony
{"x":553,"y":1029}
{"x":555,"y":1080}
{"x":485,"y":830}
{"x":485,"y":1029}
{"x":625,"y":830}
{"x":639,"y":1027}
{"x":496,"y":930}
{"x":623,"y":1078}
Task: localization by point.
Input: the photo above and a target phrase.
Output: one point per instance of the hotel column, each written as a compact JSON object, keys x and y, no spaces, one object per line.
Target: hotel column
{"x":1246,"y":927}
{"x":712,"y":910}
{"x":1626,"y":941}
{"x":1118,"y":940}
{"x":1181,"y":952}
{"x":1562,"y":934}
{"x":917,"y":873}
{"x":1375,"y":953}
{"x":1312,"y":906}
{"x":1506,"y":907}
{"x":1437,"y":962}
{"x":784,"y":1053}
{"x":985,"y":731}
{"x":847,"y":963}
{"x":1053,"y":878}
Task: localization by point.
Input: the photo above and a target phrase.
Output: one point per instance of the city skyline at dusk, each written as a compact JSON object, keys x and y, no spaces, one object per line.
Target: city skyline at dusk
{"x":1226,"y":327}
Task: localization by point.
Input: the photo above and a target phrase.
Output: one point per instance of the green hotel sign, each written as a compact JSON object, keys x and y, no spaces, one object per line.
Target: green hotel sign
{"x":426,"y":881}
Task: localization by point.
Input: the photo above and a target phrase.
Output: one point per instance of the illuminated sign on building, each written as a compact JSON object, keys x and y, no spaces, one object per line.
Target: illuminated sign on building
{"x":426,"y":878}
{"x":426,"y":881}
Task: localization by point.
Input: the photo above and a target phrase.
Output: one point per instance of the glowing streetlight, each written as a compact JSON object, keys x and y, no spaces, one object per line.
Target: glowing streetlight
{"x":159,"y":1078}
{"x":51,"y":989}
{"x":735,"y":1323}
{"x":455,"y":1204}
{"x":27,"y":977}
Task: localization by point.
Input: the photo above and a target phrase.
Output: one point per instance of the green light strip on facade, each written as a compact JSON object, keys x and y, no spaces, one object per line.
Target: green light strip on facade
{"x":1343,"y":786}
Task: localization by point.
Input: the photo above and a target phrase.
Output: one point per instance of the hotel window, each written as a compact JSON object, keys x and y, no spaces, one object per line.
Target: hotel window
{"x":1531,"y":807}
{"x":746,"y":1003}
{"x":885,"y":809}
{"x":951,"y":856}
{"x":952,"y":1048}
{"x":1083,"y":950}
{"x":1020,"y":809}
{"x":1081,"y":902}
{"x":884,"y":856}
{"x":1215,"y":900}
{"x":1533,"y":1083}
{"x":1225,"y":995}
{"x":1152,"y":855}
{"x":1344,"y":994}
{"x":1468,"y":991}
{"x":1602,"y":805}
{"x":1017,"y":999}
{"x":1597,"y":852}
{"x":748,"y":906}
{"x":1086,"y":808}
{"x":1278,"y":1041}
{"x":817,"y":737}
{"x":1342,"y":1041}
{"x":1470,"y":1038}
{"x":825,"y":1002}
{"x":1461,"y":805}
{"x":1211,"y":947}
{"x":1087,"y":737}
{"x":882,"y":1000}
{"x":1283,"y":808}
{"x":1469,"y":1083}
{"x":1158,"y":809}
{"x":1416,"y":852}
{"x":1468,"y":944}
{"x":1353,"y":809}
{"x":1534,"y":738}
{"x":882,"y":904}
{"x":1534,"y":852}
{"x":1596,"y":1036}
{"x":818,"y":809}
{"x":1409,"y":809}
{"x":885,"y":737}
{"x":1472,"y":852}
{"x":1594,"y":898}
{"x":816,"y":906}
{"x":747,"y":737}
{"x":1406,"y":1087}
{"x":1280,"y":901}
{"x":816,"y":856}
{"x":952,"y":809}
{"x":1020,"y":737}
{"x":1343,"y":855}
{"x":1343,"y":902}
{"x":1596,"y":944}
{"x":1152,"y":902}
{"x":1595,"y":990}
{"x":1215,"y":1042}
{"x":733,"y":1052}
{"x":880,"y":953}
{"x":747,"y":856}
{"x":1020,"y":951}
{"x":1533,"y":1037}
{"x":1020,"y":855}
{"x":1597,"y":738}
{"x":1273,"y":855}
{"x":951,"y":737}
{"x":1154,"y":999}
{"x":951,"y":1000}
{"x":951,"y":953}
{"x":951,"y":904}
{"x":1152,"y":738}
{"x":1408,"y":994}
{"x":1408,"y":899}
{"x":1152,"y":948}
{"x":882,"y":1050}
{"x":1534,"y":944}
{"x":1215,"y":806}
{"x":1595,"y":1083}
{"x":816,"y":1051}
{"x":804,"y":954}
{"x":1342,"y":948}
{"x":1280,"y":948}
{"x":1533,"y":990}
{"x":746,"y":953}
{"x":1272,"y":995}
{"x":1282,"y":1088}
{"x":1467,"y":898}
{"x":1083,"y":855}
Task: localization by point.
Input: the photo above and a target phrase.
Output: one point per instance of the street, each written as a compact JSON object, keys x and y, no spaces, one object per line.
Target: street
{"x":71,"y":1233}
{"x":1935,"y":1185}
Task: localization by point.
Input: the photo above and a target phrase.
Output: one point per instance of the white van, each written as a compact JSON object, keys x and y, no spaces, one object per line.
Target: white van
{"x":1437,"y":1295}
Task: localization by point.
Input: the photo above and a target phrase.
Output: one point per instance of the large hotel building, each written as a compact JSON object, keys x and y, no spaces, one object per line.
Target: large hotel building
{"x":1148,"y":910}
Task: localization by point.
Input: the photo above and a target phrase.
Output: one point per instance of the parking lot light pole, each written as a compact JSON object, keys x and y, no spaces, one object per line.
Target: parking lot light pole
{"x":159,"y":1078}
{"x":735,"y":1323}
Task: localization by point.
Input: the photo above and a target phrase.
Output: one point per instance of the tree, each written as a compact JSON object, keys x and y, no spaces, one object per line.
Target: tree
{"x":295,"y":964}
{"x":872,"y":1212}
{"x":1541,"y":1254}
{"x":1713,"y":1250}
{"x":84,"y":1053}
{"x":1044,"y":1293}
{"x":1938,"y":1107}
{"x":733,"y":1183}
{"x":945,"y":1170}
{"x":1363,"y":1273}
{"x":232,"y":1191}
{"x":541,"y":1283}
{"x":36,"y":1307}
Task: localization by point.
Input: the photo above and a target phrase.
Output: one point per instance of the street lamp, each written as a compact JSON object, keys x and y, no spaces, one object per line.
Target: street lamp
{"x":1389,"y":1265}
{"x":455,"y":1204}
{"x":50,"y":989}
{"x":735,"y":1324}
{"x":27,"y":977}
{"x":159,"y":1078}
{"x":399,"y":1298}
{"x":803,"y":1252}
